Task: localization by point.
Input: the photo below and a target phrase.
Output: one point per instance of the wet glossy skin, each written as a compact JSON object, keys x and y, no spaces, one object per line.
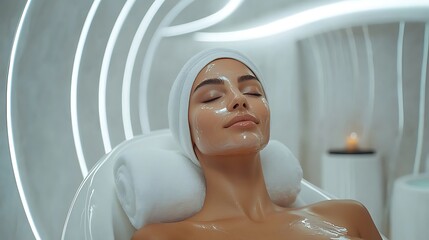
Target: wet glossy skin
{"x":329,"y":220}
{"x":229,"y":121}
{"x":228,"y":104}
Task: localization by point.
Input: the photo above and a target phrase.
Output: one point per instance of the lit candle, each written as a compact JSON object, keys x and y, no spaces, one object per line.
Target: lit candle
{"x":354,"y":172}
{"x":352,"y":142}
{"x":352,"y":146}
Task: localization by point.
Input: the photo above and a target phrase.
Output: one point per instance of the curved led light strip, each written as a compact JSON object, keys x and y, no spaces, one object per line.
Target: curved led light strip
{"x":371,"y":78}
{"x":10,"y":135}
{"x":202,"y":23}
{"x":353,"y":51}
{"x":105,"y":70}
{"x":333,"y":50}
{"x":320,"y":78}
{"x":399,"y":91}
{"x":323,"y":43}
{"x":129,"y":66}
{"x":420,"y":135}
{"x":74,"y":84}
{"x":164,"y":32}
{"x":355,"y":64}
{"x":159,"y":33}
{"x":147,"y":63}
{"x":310,"y":16}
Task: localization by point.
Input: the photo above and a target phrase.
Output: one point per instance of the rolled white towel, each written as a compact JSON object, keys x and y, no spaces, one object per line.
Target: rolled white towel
{"x":282,"y":173}
{"x":156,"y":185}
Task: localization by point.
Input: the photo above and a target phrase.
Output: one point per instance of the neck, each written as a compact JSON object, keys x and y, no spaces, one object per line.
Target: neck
{"x":235,"y":187}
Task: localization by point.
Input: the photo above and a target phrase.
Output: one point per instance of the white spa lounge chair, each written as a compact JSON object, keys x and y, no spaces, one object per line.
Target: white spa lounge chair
{"x":96,"y":213}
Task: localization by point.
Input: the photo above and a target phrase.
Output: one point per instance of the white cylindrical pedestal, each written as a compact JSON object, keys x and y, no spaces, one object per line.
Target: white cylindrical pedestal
{"x":358,"y":177}
{"x":409,"y":214}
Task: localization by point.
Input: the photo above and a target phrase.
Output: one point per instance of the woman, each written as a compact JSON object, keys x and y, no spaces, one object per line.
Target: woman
{"x":220,"y":115}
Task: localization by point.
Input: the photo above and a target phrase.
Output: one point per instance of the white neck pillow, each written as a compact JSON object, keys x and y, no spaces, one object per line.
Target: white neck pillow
{"x":156,"y":183}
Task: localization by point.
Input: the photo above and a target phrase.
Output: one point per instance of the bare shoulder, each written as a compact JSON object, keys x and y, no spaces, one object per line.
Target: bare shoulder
{"x":350,"y":213}
{"x":342,"y":207}
{"x":161,"y":231}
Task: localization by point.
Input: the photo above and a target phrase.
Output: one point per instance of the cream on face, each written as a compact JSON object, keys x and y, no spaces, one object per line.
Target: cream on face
{"x":228,"y":111}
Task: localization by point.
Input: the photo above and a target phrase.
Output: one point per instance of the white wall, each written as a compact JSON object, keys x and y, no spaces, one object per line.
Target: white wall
{"x":303,"y":120}
{"x":14,"y":223}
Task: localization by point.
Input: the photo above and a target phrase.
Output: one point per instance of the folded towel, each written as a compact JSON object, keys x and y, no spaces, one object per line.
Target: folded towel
{"x":157,"y":185}
{"x":282,"y":173}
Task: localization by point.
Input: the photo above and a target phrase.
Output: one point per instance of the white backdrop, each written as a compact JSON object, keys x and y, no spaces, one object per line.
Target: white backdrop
{"x":323,"y":83}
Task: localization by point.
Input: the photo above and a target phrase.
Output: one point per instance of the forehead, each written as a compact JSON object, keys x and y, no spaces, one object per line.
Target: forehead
{"x":223,"y":68}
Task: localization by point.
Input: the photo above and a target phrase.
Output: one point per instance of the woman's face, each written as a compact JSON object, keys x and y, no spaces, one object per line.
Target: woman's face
{"x":228,"y":111}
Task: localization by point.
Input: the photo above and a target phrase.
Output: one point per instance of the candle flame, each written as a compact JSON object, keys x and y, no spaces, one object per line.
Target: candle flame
{"x":352,"y":142}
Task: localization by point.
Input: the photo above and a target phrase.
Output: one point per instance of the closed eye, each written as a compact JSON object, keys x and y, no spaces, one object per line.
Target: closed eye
{"x":253,"y":94}
{"x":211,"y":100}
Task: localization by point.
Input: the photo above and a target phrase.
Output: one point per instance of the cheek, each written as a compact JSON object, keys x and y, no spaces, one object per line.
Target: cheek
{"x":199,"y":120}
{"x":263,"y":110}
{"x":267,"y":113}
{"x":205,"y":122}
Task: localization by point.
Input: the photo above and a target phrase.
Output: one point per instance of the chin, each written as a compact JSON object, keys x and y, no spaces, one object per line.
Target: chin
{"x":245,"y":144}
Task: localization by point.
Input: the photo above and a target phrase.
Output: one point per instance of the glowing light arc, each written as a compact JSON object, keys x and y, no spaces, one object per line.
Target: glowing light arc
{"x":412,"y":9}
{"x":9,"y":124}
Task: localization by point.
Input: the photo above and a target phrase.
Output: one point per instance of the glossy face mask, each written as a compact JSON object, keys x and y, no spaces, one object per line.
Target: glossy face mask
{"x":180,"y":93}
{"x":228,"y":112}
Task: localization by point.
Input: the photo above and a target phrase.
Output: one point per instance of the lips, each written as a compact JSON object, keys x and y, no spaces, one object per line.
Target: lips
{"x":241,"y":119}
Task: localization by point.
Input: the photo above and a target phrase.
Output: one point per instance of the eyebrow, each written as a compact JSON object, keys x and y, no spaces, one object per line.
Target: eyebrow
{"x":247,"y":77}
{"x":209,"y":81}
{"x":218,"y":81}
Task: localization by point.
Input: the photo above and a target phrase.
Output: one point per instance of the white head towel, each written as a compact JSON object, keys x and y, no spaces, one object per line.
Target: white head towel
{"x":180,"y":93}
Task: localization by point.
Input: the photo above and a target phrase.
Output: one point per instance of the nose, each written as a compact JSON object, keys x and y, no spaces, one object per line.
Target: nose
{"x":239,"y":101}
